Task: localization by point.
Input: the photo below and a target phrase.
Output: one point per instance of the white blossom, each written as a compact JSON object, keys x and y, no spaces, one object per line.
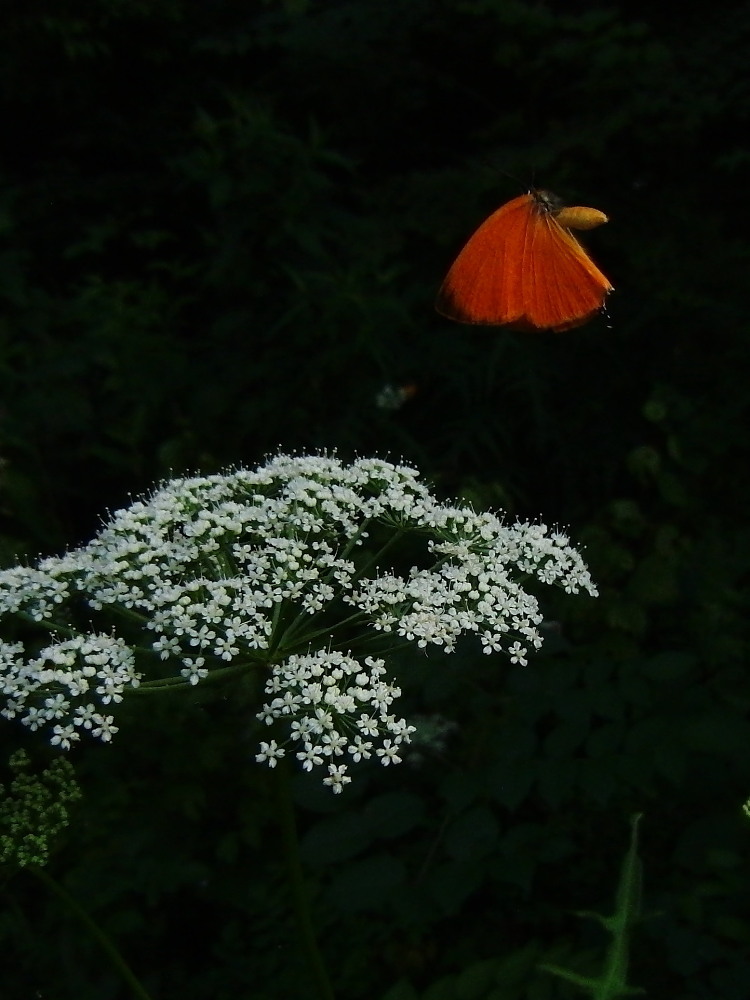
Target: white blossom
{"x":270,"y":753}
{"x":337,"y":777}
{"x":257,"y":569}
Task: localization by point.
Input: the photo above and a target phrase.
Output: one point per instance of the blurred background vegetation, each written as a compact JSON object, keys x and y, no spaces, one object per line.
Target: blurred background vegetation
{"x":222,"y":227}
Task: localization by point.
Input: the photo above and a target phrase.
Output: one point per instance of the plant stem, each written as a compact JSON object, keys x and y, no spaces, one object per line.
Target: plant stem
{"x":216,"y":676}
{"x":397,"y":534}
{"x":95,"y":931}
{"x":286,"y":646}
{"x":303,"y":617}
{"x":300,"y":898}
{"x":49,"y":624}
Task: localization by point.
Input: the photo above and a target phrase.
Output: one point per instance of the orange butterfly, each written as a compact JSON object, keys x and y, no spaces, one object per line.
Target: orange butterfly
{"x":524,"y":267}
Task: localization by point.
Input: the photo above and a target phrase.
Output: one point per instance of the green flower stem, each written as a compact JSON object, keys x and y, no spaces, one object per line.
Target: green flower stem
{"x":215,"y":676}
{"x":286,"y":646}
{"x":95,"y":931}
{"x":49,"y":624}
{"x":351,"y":544}
{"x":277,"y":610}
{"x":327,"y":578}
{"x":300,"y":899}
{"x":128,"y":614}
{"x":397,"y":534}
{"x":378,"y":639}
{"x":294,"y":625}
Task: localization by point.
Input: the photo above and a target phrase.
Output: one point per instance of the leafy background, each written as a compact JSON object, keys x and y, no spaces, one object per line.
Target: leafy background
{"x":222,"y":227}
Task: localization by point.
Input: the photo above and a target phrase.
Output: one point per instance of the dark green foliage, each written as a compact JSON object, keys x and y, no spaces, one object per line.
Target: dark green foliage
{"x":612,"y":979}
{"x":222,"y":227}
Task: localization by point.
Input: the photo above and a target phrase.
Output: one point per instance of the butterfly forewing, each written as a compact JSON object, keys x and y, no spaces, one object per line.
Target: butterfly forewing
{"x":522,"y":268}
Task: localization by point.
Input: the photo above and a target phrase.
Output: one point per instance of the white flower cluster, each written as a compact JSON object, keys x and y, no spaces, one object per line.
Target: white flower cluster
{"x":65,"y":673}
{"x":259,"y":568}
{"x":325,"y":690}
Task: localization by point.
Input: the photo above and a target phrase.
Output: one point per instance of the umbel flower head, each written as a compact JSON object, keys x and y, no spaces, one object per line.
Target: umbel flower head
{"x":287,"y":570}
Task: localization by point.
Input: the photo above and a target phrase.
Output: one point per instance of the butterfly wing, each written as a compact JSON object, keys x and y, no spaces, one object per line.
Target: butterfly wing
{"x":522,"y":268}
{"x":485,"y":285}
{"x":562,"y":287}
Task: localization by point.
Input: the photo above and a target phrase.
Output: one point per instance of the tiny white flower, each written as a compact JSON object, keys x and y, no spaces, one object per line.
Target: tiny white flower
{"x":166,"y":647}
{"x":388,"y":753}
{"x":310,"y":757}
{"x":270,"y":753}
{"x":194,"y":669}
{"x":104,"y":727}
{"x":64,"y":736}
{"x":517,"y":654}
{"x":360,"y":749}
{"x":337,"y":778}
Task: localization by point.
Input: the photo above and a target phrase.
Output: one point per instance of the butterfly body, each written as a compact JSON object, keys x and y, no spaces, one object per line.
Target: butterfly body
{"x":523,"y":267}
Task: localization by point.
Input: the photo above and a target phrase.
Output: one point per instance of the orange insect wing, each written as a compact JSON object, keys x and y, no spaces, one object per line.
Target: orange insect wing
{"x":484,"y":283}
{"x":562,"y":287}
{"x":524,"y":268}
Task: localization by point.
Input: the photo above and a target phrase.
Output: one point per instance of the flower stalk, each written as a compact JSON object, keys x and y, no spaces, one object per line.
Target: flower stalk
{"x":118,"y":962}
{"x":298,"y":885}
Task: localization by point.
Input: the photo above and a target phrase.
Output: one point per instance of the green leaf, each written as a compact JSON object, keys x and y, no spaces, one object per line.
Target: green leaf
{"x":475,"y":981}
{"x":473,"y":835}
{"x":402,"y":990}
